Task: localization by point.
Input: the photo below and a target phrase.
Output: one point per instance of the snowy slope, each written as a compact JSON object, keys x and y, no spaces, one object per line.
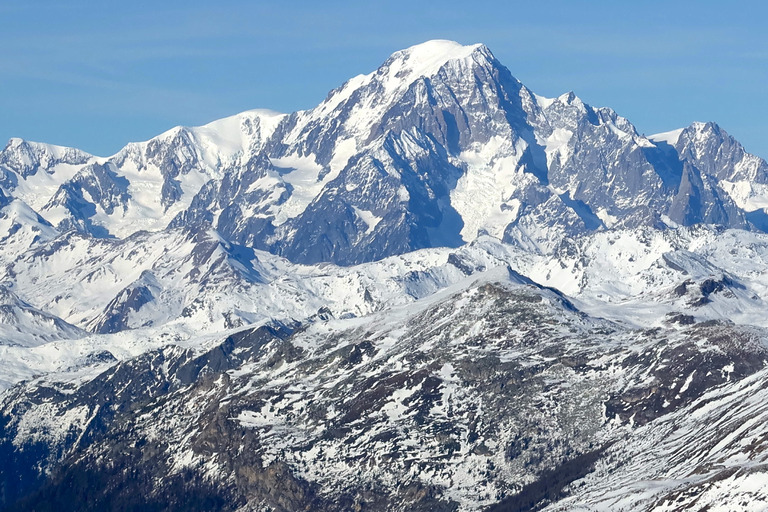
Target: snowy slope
{"x":26,"y":326}
{"x":706,"y":455}
{"x":21,"y":228}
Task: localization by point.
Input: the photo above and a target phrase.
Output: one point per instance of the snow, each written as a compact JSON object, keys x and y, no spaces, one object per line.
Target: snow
{"x":747,"y":195}
{"x":293,"y":290}
{"x":369,"y":218}
{"x":337,"y":98}
{"x":482,"y":194}
{"x":423,"y":60}
{"x":617,"y":131}
{"x":620,"y":275}
{"x":345,"y":149}
{"x":620,"y":280}
{"x":215,"y":146}
{"x":266,"y":417}
{"x":556,"y":145}
{"x":37,"y":190}
{"x":670,"y":137}
{"x":395,"y":409}
{"x":81,"y":278}
{"x":20,"y":228}
{"x":304,"y":176}
{"x":224,"y":136}
{"x":544,"y":102}
{"x":687,"y":382}
{"x":380,"y":89}
{"x":224,"y":139}
{"x":608,"y":219}
{"x":699,"y":456}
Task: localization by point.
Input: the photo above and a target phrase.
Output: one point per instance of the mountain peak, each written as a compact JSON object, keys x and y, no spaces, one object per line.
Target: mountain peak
{"x":426,"y":59}
{"x":14,"y":142}
{"x":358,"y":105}
{"x":437,"y":52}
{"x":705,"y":128}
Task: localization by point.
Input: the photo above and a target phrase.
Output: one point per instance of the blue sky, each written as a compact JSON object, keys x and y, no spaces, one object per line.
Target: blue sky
{"x":96,"y":75}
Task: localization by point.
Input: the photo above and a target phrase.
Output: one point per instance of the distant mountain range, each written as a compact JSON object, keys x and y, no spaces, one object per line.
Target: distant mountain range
{"x":436,"y":290}
{"x":437,"y":145}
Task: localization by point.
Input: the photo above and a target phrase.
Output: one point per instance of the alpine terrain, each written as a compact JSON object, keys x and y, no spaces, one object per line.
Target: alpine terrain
{"x":435,"y":291}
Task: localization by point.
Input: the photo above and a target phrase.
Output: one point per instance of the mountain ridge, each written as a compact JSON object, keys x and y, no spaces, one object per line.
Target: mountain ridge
{"x":424,"y":136}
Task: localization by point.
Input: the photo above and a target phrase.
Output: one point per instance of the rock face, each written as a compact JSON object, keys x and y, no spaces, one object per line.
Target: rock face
{"x":438,"y":145}
{"x":435,"y":290}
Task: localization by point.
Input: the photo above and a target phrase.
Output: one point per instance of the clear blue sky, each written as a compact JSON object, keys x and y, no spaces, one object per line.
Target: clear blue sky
{"x":97,"y":75}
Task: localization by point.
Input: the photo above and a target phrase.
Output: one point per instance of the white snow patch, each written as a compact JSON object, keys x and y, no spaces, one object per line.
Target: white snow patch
{"x":544,"y":102}
{"x":395,"y":409}
{"x":556,"y":145}
{"x":670,"y":137}
{"x":482,"y":196}
{"x":266,"y":417}
{"x":370,"y":219}
{"x":687,"y":382}
{"x":344,"y":150}
{"x":747,"y":195}
{"x":305,"y":180}
{"x":608,"y":219}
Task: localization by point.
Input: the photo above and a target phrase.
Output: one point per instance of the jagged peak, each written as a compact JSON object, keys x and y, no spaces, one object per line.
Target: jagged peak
{"x":699,"y":130}
{"x":395,"y":76}
{"x":701,"y":126}
{"x":570,"y":99}
{"x":695,"y":130}
{"x":405,"y":66}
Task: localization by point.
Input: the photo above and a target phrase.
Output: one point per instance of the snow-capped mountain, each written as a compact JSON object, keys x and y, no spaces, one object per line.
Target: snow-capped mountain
{"x":436,"y":290}
{"x":437,"y":145}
